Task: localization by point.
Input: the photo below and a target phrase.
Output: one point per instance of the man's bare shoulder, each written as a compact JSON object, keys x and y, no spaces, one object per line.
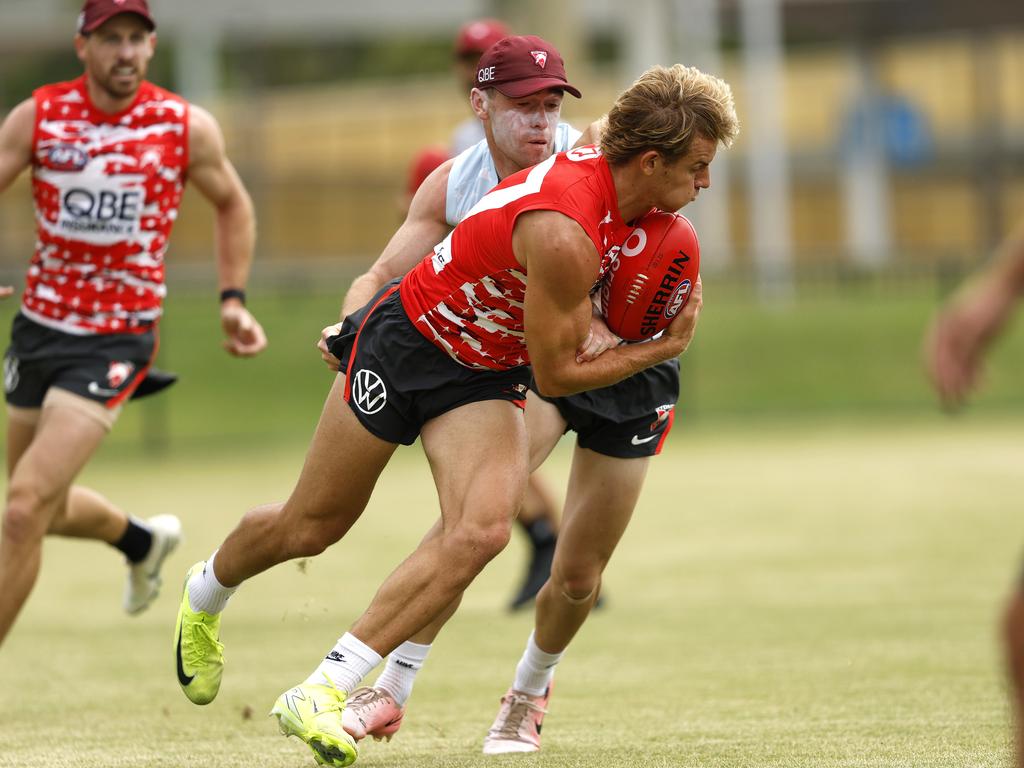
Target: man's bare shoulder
{"x":553,"y":237}
{"x":205,"y":137}
{"x":20,"y":121}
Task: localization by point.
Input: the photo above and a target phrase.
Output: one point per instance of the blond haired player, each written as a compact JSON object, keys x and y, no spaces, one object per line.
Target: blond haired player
{"x":446,"y":356}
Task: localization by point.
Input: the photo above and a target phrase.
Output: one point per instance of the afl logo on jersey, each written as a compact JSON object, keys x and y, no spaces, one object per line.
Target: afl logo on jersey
{"x":66,"y":157}
{"x":368,"y":391}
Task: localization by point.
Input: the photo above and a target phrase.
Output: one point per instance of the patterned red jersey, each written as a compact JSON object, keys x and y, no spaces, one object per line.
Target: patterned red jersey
{"x":466,"y":296}
{"x":106,"y":190}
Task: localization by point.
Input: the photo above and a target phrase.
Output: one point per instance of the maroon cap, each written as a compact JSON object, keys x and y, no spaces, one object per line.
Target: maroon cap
{"x":522,"y":64}
{"x":477,"y":36}
{"x":95,"y":12}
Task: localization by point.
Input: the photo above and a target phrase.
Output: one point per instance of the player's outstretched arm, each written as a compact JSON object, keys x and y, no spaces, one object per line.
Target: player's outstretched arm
{"x":15,"y":151}
{"x":562,"y":264}
{"x":215,"y":177}
{"x":962,"y":331}
{"x":424,"y":227}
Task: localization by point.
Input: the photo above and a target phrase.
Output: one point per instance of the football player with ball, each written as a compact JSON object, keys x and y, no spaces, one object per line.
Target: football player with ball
{"x":445,"y":355}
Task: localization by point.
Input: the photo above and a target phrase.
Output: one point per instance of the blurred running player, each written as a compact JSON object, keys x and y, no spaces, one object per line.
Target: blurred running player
{"x":109,"y":154}
{"x":955,"y":348}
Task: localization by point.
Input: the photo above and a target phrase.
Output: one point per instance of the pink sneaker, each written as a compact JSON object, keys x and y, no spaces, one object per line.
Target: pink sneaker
{"x":517,"y":726}
{"x":371,"y":712}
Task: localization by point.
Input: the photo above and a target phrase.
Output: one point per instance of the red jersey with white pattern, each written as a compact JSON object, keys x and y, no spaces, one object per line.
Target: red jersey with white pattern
{"x":467,"y":295}
{"x":107,"y":189}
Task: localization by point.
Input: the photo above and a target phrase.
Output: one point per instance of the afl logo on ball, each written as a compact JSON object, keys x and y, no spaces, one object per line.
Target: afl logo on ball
{"x":682,"y":293}
{"x":368,"y":391}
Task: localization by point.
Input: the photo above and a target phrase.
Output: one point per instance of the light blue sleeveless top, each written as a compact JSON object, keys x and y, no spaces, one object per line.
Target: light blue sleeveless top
{"x":473,"y":174}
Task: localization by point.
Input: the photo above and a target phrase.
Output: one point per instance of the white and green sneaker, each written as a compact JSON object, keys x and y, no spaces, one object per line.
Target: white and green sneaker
{"x":197,"y":649}
{"x":143,"y":583}
{"x":313,"y":713}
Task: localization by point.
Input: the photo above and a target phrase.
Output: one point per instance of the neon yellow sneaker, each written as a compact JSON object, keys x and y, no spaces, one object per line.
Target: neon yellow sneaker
{"x":197,"y":650}
{"x":313,"y":713}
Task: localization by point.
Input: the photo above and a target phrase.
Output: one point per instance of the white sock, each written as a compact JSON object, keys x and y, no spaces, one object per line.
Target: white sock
{"x":347,"y":664}
{"x":205,"y":593}
{"x":535,"y":669}
{"x":400,"y":671}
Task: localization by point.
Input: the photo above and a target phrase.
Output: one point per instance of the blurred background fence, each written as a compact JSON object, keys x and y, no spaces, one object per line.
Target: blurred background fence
{"x":881,"y":157}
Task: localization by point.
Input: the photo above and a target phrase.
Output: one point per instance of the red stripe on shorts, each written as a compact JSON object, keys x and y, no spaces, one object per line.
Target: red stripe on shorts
{"x":125,"y":393}
{"x":355,"y":343}
{"x":668,"y":428}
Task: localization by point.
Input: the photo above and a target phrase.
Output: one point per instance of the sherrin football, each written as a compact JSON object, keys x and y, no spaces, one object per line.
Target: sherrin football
{"x":652,"y":277}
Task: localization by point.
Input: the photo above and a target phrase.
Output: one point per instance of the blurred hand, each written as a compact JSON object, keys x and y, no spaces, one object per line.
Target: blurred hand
{"x":959,"y":335}
{"x":684,"y":325}
{"x":325,"y":335}
{"x":599,"y":340}
{"x":6,"y":290}
{"x":245,"y":336}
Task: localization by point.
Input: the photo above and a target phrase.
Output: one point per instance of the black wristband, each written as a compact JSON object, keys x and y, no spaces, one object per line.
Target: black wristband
{"x":232,"y":293}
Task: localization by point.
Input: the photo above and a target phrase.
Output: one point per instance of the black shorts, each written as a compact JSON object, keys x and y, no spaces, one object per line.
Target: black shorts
{"x":629,"y":419}
{"x":396,"y":380}
{"x":104,"y":368}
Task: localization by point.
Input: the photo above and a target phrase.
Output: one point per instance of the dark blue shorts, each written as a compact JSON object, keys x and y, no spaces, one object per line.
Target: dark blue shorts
{"x":397,"y":380}
{"x":104,"y":368}
{"x":630,"y":419}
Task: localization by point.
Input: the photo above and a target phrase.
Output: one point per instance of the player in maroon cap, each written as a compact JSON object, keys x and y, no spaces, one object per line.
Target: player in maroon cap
{"x":473,"y":39}
{"x":109,"y":153}
{"x":538,"y":519}
{"x":447,"y":196}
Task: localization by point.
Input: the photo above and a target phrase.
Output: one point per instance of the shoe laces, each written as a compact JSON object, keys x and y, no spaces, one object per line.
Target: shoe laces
{"x":366,"y":698}
{"x":203,"y":637}
{"x":519,"y":706}
{"x":337,"y":703}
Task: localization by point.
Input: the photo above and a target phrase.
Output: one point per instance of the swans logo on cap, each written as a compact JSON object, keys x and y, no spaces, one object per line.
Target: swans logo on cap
{"x":540,"y":58}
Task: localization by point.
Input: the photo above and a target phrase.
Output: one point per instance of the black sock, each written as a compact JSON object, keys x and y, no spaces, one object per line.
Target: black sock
{"x":540,"y":532}
{"x":135,"y":543}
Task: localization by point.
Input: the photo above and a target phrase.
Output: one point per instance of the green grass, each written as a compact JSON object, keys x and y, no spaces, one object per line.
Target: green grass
{"x":808,"y":596}
{"x":812,"y":578}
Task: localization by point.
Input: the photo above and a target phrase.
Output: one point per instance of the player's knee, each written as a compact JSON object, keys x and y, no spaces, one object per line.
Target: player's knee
{"x":577,"y":582}
{"x":476,"y":544}
{"x":23,"y":518}
{"x":306,"y":534}
{"x":309,"y":541}
{"x":580,"y":590}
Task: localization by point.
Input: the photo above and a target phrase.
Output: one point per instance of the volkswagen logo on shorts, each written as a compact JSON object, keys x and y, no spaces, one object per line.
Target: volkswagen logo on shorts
{"x":11,"y":375}
{"x":368,"y":391}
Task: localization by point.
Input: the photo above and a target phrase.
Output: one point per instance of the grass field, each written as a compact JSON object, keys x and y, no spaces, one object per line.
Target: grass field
{"x":804,"y":596}
{"x":812,"y":578}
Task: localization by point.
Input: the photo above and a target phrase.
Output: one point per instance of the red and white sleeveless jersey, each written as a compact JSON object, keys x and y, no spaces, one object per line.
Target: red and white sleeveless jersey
{"x":466,"y":296}
{"x":106,"y":190}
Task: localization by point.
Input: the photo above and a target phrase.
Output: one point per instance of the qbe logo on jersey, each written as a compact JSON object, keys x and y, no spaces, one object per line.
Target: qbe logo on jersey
{"x":368,"y":391}
{"x":113,"y":212}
